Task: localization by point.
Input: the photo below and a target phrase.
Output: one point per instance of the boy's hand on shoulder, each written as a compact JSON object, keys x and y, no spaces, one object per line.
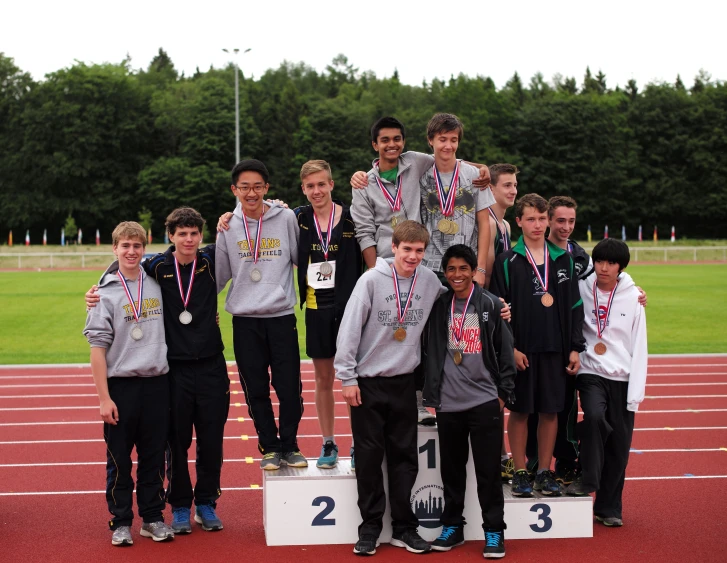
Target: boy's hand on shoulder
{"x":359,"y":180}
{"x":483,"y":181}
{"x":92,"y":297}
{"x":223,"y":224}
{"x":109,"y":412}
{"x":642,"y":296}
{"x":521,"y":360}
{"x":574,"y":363}
{"x":506,"y":312}
{"x":352,"y":395}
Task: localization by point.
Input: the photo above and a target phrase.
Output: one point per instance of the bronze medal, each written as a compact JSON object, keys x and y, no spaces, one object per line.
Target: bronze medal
{"x":547,"y":300}
{"x":600,"y":348}
{"x":400,"y":334}
{"x":457,"y":357}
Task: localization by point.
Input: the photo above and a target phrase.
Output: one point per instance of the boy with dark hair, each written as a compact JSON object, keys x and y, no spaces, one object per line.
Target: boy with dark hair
{"x":330,"y":254}
{"x":378,"y":349}
{"x":611,"y":380}
{"x":129,"y":367}
{"x":470,"y":373}
{"x":258,"y":253}
{"x":538,"y":279}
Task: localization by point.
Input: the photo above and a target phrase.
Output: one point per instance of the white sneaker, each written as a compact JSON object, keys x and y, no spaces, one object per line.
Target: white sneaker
{"x":122,"y":536}
{"x":158,"y":531}
{"x":424,"y":417}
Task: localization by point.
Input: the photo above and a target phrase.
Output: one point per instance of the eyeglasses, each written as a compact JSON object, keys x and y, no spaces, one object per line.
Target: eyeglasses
{"x":257,"y":188}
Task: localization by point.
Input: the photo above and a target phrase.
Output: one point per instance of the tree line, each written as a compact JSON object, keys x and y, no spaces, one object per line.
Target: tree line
{"x":106,"y":143}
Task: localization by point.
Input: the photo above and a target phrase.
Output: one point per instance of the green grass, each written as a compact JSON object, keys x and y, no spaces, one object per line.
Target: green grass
{"x":43,"y":313}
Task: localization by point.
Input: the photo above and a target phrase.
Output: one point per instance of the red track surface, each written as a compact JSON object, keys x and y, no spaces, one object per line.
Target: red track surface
{"x":51,"y":442}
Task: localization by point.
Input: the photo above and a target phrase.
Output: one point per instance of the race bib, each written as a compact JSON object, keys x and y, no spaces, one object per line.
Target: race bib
{"x":318,"y":280}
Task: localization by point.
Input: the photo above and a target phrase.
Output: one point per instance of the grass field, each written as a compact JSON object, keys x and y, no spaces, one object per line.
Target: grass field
{"x":43,"y":313}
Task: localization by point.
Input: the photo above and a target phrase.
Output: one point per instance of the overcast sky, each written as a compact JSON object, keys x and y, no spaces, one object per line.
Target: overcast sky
{"x":641,"y":39}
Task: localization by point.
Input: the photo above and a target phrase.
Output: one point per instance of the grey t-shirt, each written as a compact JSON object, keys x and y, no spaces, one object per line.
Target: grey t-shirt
{"x":469,"y":384}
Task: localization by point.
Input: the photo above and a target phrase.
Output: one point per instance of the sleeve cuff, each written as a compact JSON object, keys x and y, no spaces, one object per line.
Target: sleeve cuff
{"x":349,"y":382}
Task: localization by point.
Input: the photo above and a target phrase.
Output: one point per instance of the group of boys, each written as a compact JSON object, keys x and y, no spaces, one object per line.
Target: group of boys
{"x":416,"y":329}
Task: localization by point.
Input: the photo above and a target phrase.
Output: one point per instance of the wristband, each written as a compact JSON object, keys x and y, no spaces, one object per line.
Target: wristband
{"x":482,"y":270}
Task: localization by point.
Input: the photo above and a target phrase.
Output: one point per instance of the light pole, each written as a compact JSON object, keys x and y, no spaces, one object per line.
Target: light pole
{"x":235,"y":52}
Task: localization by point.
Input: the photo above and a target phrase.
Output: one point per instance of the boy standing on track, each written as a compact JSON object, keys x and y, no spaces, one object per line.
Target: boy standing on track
{"x":330,"y":253}
{"x":129,"y":367}
{"x":258,"y":253}
{"x":538,"y":279}
{"x":378,"y":348}
{"x":611,"y":380}
{"x":470,"y":375}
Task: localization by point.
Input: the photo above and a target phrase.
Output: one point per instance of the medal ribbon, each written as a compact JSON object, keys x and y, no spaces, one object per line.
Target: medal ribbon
{"x":543,"y":284}
{"x":601,"y":329}
{"x":395,"y":201}
{"x":327,"y":243}
{"x":185,"y":299}
{"x":570,"y":248}
{"x":136,"y":311}
{"x":249,"y":239}
{"x":399,"y":311}
{"x":502,"y":228}
{"x":446,"y":201}
{"x":458,"y":329}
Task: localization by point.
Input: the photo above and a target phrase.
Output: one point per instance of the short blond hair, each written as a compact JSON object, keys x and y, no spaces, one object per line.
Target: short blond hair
{"x":313,"y":166}
{"x":128,"y":230}
{"x":410,"y":231}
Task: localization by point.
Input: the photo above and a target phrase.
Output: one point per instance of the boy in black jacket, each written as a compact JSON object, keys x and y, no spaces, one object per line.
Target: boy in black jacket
{"x":469,"y":376}
{"x":539,"y":280}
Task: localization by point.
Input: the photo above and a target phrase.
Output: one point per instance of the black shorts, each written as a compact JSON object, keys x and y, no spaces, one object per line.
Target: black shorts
{"x":321,"y":331}
{"x":541,"y":387}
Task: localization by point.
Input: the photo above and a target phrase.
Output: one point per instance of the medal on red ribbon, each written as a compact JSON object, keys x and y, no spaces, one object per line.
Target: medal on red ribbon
{"x":503,"y":230}
{"x":458,"y":328}
{"x":546,"y":299}
{"x":326,"y":269}
{"x":136,"y":332}
{"x":256,"y":275}
{"x":600,"y":347}
{"x":400,"y":333}
{"x":446,"y":201}
{"x":185,"y":317}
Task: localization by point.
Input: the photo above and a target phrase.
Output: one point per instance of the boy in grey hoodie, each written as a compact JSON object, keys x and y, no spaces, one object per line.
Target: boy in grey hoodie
{"x":378,"y":348}
{"x":129,"y":366}
{"x":257,"y":254}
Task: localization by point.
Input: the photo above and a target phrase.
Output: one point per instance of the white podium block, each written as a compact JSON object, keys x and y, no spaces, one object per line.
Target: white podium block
{"x":314,"y":506}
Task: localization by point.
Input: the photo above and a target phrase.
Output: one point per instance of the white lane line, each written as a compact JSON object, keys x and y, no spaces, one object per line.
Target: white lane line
{"x":686,"y":384}
{"x":685,"y":396}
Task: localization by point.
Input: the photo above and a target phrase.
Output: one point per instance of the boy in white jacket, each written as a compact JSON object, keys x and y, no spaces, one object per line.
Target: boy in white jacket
{"x":612,"y":378}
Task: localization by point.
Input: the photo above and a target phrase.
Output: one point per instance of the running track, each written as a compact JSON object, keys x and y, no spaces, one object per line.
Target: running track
{"x":52,"y":506}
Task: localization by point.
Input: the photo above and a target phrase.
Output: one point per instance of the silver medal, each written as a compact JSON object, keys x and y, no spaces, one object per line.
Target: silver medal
{"x":136,"y":333}
{"x":326,"y":269}
{"x":185,"y":317}
{"x":256,"y":275}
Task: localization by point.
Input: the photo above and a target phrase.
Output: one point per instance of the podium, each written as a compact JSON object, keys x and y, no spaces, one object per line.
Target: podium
{"x":312,"y":506}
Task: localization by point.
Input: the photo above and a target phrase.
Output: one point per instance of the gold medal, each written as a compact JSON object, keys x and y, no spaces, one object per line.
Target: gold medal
{"x":453,"y":228}
{"x":547,"y":300}
{"x":443,"y":226}
{"x":400,"y":334}
{"x":394,"y":221}
{"x":600,"y":348}
{"x":458,"y":357}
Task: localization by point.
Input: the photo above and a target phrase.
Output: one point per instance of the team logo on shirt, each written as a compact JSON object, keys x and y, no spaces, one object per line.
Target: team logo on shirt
{"x":562,"y":276}
{"x":427,"y":503}
{"x":602,"y":316}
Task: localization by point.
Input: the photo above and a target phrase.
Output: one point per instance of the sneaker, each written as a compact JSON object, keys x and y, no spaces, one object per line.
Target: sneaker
{"x":122,"y":536}
{"x":294,"y":459}
{"x":611,"y":521}
{"x":270,"y":461}
{"x":424,"y":417}
{"x":507,"y":468}
{"x":206,"y":517}
{"x":411,"y":540}
{"x":180,"y":520}
{"x":565,"y":476}
{"x":576,"y":488}
{"x":451,"y":536}
{"x":545,"y":483}
{"x":329,"y":456}
{"x":494,"y":544}
{"x":521,"y":486}
{"x":158,"y":531}
{"x":366,"y":545}
{"x":353,"y":460}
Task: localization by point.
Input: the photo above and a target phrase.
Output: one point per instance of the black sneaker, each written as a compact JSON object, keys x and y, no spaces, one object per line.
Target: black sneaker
{"x":451,"y":536}
{"x":411,"y":540}
{"x":565,"y":475}
{"x":521,"y":486}
{"x":494,"y":544}
{"x":577,"y":489}
{"x":507,"y":468}
{"x":366,"y":545}
{"x":545,"y":483}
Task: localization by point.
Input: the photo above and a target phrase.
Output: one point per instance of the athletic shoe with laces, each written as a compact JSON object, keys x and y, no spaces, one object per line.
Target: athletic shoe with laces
{"x":424,"y":417}
{"x":270,"y":461}
{"x":122,"y":536}
{"x":565,"y":475}
{"x":180,"y":520}
{"x":494,"y":544}
{"x":507,"y":468}
{"x":366,"y":545}
{"x":411,"y":541}
{"x":206,"y":517}
{"x":294,"y":459}
{"x":158,"y":531}
{"x":353,"y":460}
{"x":451,"y":536}
{"x":521,"y":486}
{"x":329,"y":456}
{"x":545,"y":483}
{"x":576,"y":488}
{"x":610,"y":521}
